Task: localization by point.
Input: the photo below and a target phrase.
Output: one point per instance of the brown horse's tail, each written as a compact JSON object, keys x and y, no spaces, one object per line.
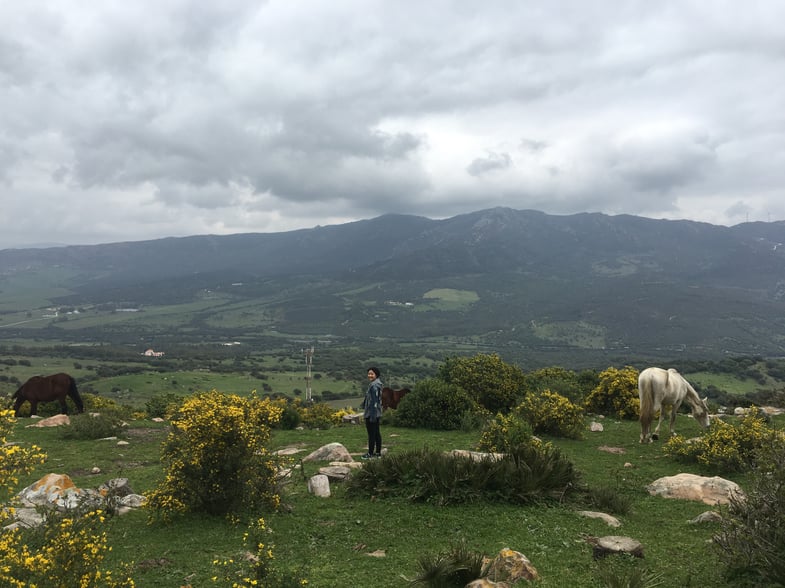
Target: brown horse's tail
{"x":74,"y":394}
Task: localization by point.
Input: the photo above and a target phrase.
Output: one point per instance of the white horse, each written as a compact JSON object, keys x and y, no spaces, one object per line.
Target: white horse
{"x":658,"y":388}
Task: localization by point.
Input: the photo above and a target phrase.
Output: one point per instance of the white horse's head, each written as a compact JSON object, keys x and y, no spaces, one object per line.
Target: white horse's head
{"x":701,"y":412}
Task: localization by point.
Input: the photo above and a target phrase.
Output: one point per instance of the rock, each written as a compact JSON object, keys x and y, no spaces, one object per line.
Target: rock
{"x":714,"y":490}
{"x":511,"y":566}
{"x":336,"y":473}
{"x":95,"y":470}
{"x":287,"y":451}
{"x":710,"y":516}
{"x":329,"y":452}
{"x":596,"y":427}
{"x":52,"y":490}
{"x":377,"y":553}
{"x":319,"y":485}
{"x":354,"y":419}
{"x":611,"y":544}
{"x":486,"y":583}
{"x":614,"y":450}
{"x":610,"y":520}
{"x":54,"y":421}
{"x":115,"y":487}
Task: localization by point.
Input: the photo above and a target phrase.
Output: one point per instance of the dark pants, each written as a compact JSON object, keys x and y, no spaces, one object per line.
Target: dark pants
{"x":374,"y":436}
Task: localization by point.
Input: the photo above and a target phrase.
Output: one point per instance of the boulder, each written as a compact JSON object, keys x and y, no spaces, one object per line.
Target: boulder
{"x":611,"y":544}
{"x":54,"y":421}
{"x":511,"y":566}
{"x":611,"y":521}
{"x":709,"y":490}
{"x":329,"y":452}
{"x":319,"y":485}
{"x":336,"y":473}
{"x":596,"y":427}
{"x":710,"y":516}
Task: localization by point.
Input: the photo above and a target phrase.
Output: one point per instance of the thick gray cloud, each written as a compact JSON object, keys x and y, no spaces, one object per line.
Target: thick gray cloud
{"x":136,"y":120}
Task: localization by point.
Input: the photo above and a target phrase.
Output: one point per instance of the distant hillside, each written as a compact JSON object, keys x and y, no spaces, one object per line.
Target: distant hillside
{"x":523,"y":281}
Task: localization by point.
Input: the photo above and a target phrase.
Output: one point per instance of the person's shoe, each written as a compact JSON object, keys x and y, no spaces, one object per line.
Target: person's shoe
{"x":377,"y":454}
{"x":366,"y":456}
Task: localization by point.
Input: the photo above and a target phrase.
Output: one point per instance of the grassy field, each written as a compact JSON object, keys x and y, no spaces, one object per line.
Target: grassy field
{"x":329,"y":540}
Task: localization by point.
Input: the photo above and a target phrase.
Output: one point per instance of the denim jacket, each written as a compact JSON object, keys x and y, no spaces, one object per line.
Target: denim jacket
{"x":372,"y":403}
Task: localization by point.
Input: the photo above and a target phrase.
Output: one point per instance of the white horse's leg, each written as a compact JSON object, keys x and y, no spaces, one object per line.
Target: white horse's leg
{"x":656,"y":434}
{"x":674,"y":411}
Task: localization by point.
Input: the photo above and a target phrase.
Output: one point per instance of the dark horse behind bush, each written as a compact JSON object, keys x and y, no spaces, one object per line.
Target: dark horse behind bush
{"x":45,"y":389}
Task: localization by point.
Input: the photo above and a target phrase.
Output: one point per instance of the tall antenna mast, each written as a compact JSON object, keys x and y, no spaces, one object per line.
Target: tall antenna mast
{"x":308,"y":363}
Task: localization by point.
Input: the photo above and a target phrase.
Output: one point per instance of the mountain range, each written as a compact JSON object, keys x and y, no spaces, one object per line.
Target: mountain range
{"x":519,"y":281}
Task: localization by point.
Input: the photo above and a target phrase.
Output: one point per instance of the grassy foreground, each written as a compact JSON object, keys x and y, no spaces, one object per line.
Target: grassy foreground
{"x":329,"y":540}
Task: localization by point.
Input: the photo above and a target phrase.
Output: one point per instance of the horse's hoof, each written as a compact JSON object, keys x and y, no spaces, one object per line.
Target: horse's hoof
{"x":655,"y":437}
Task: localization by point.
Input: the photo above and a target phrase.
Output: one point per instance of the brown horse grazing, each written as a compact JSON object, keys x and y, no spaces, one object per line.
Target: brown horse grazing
{"x":391,"y":398}
{"x":45,"y":389}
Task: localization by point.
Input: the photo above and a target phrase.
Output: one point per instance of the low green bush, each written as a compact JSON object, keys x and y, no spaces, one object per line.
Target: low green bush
{"x":453,"y":568}
{"x":751,"y":542}
{"x":91,"y":426}
{"x":163,"y":405}
{"x":527,"y":474}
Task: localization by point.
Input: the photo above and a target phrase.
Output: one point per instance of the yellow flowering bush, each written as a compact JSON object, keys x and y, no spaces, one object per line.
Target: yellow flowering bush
{"x":503,"y":433}
{"x":215,"y":457}
{"x":317,"y":416}
{"x":66,"y":551}
{"x":15,"y":460}
{"x":551,"y":413}
{"x":254,"y":567}
{"x":725,"y":447}
{"x":616,"y":394}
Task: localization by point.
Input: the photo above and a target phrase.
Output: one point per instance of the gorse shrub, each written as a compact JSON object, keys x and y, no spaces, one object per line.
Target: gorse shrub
{"x":504,"y":432}
{"x":552,"y":414}
{"x":316,"y":416}
{"x":490,"y":382}
{"x":256,"y":566}
{"x":67,"y":550}
{"x":527,"y":474}
{"x":751,"y":542}
{"x":725,"y":447}
{"x":15,"y":460}
{"x":215,"y":457}
{"x":616,"y":394}
{"x":434,"y":404}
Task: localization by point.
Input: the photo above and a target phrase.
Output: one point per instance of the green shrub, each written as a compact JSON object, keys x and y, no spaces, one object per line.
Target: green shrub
{"x":90,"y":426}
{"x":608,"y":499}
{"x":553,"y":414}
{"x":725,"y":447}
{"x":215,"y":459}
{"x":616,"y":394}
{"x":751,"y":541}
{"x":529,"y":473}
{"x":503,"y":433}
{"x":490,"y":382}
{"x":435,"y":404}
{"x":163,"y":405}
{"x":456,"y":567}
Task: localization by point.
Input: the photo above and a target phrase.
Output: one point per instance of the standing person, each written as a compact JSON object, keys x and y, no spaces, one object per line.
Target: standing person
{"x":372,"y":413}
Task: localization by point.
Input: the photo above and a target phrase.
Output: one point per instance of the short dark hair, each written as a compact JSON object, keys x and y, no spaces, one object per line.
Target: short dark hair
{"x":376,"y":371}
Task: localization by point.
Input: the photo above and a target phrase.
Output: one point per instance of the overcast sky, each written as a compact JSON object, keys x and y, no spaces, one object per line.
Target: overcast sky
{"x":134,"y":120}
